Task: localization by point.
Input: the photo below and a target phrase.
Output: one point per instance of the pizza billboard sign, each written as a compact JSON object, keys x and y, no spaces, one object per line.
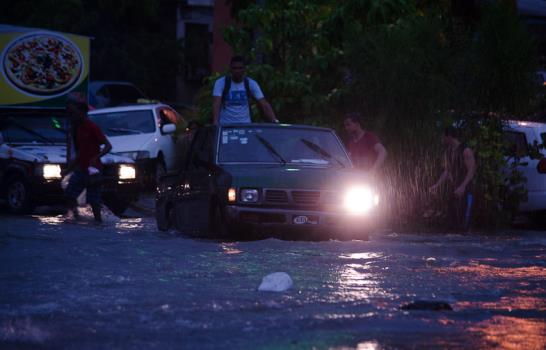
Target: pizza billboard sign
{"x":39,"y":68}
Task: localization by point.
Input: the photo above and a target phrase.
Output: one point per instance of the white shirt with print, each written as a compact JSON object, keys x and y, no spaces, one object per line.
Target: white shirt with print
{"x":235,"y":107}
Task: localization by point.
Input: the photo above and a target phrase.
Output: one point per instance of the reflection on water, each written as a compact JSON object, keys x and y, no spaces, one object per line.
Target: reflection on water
{"x":128,"y":224}
{"x":368,"y":255}
{"x":366,"y":345}
{"x":230,"y":248}
{"x":498,"y":332}
{"x":507,"y":304}
{"x":357,"y":281}
{"x":50,"y":220}
{"x":487,"y":271}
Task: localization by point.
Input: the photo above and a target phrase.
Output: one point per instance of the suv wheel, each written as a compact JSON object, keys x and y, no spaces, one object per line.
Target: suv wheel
{"x":163,"y":215}
{"x":160,"y":170}
{"x":218,"y":227}
{"x":18,"y":196}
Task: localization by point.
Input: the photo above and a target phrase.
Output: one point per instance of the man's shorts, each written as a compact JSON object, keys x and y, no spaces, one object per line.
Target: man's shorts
{"x":77,"y":183}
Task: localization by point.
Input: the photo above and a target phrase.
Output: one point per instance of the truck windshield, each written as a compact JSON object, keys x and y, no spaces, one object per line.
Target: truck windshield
{"x":281,"y":146}
{"x":33,"y":129}
{"x":125,"y":123}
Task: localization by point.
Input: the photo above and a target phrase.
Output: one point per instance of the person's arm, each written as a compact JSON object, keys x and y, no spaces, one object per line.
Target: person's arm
{"x":71,"y":157}
{"x":381,"y":156}
{"x":216,"y":103}
{"x":267,"y":110}
{"x":102,"y":140}
{"x":470,"y":164}
{"x":217,"y":92}
{"x":442,"y":179}
{"x":107,"y":148}
{"x":258,"y":95}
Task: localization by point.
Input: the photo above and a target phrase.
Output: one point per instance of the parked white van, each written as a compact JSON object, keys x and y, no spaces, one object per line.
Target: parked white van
{"x":521,"y":135}
{"x":143,"y":133}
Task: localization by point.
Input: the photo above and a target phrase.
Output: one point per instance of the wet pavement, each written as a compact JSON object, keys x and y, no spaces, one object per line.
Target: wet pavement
{"x":123,"y":284}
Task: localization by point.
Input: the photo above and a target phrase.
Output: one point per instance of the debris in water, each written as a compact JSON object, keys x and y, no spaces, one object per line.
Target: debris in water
{"x":276,"y":282}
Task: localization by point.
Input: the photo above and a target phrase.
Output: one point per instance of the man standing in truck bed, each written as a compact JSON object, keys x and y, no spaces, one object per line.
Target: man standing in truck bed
{"x":232,"y":95}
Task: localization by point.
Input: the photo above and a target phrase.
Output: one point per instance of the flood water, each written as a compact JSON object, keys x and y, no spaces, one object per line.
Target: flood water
{"x":123,"y":284}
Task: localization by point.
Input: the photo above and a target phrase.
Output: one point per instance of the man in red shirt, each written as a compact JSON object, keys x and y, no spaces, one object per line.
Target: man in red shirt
{"x":87,"y":139}
{"x":366,"y":151}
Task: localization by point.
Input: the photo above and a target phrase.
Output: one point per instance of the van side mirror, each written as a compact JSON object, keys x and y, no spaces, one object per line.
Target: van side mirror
{"x":168,"y":128}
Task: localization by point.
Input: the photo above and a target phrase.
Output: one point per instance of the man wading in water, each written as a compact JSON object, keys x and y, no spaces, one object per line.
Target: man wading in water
{"x":459,"y":171}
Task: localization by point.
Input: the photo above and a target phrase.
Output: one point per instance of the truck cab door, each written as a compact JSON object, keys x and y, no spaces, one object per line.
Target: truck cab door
{"x":192,"y":209}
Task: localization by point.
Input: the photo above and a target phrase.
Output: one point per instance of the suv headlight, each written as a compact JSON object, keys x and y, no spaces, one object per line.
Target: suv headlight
{"x":127,"y":172}
{"x":249,"y":195}
{"x":51,"y":171}
{"x":134,"y":155}
{"x":359,"y":200}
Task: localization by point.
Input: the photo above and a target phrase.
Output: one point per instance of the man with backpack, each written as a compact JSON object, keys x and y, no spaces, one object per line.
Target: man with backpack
{"x":232,"y":95}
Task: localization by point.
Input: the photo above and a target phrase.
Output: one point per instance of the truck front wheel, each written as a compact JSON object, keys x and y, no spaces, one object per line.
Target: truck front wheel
{"x":18,"y":196}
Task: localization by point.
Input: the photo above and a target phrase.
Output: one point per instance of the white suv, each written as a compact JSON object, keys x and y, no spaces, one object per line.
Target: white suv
{"x":521,"y":135}
{"x":143,"y":133}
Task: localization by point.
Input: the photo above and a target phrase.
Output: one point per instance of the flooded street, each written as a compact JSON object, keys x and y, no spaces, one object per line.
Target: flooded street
{"x":123,"y":284}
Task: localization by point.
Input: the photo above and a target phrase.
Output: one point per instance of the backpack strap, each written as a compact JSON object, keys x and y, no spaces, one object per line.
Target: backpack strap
{"x":249,"y":96}
{"x":227,"y":85}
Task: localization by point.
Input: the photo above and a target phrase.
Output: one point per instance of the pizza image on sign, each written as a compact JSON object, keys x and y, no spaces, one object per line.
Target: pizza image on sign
{"x":42,"y":64}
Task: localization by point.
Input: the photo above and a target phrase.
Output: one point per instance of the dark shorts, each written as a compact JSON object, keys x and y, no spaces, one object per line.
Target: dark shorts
{"x":80,"y":181}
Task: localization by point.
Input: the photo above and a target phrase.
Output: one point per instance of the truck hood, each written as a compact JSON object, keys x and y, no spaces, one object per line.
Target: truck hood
{"x":49,"y":154}
{"x":35,"y":153}
{"x":131,"y":143}
{"x":295,"y":177}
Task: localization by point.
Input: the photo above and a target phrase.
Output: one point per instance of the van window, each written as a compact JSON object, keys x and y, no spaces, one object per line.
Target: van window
{"x":515,"y":144}
{"x":125,"y":123}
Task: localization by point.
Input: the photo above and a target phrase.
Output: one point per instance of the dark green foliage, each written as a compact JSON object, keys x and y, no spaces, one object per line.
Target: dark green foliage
{"x":408,"y":66}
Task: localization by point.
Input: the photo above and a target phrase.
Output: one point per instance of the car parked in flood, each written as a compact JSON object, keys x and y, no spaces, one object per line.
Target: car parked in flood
{"x":144,"y":133}
{"x":519,"y":137}
{"x":267,"y":179}
{"x":33,"y":153}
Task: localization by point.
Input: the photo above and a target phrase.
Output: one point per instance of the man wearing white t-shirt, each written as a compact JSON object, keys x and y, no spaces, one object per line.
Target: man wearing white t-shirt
{"x":231,"y":102}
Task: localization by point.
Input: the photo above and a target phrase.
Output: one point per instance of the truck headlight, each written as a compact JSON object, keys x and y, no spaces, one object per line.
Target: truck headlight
{"x":359,"y":200}
{"x":51,"y":171}
{"x":127,"y":172}
{"x":232,"y":195}
{"x":249,"y":195}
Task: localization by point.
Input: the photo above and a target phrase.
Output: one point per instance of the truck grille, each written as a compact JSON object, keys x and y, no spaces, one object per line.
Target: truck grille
{"x":306,"y":197}
{"x":300,"y":198}
{"x":276,"y":196}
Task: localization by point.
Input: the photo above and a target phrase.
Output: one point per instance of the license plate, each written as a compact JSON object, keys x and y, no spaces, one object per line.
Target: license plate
{"x":305,"y":219}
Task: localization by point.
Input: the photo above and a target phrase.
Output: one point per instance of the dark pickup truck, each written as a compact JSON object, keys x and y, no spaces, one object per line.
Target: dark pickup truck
{"x":267,"y":180}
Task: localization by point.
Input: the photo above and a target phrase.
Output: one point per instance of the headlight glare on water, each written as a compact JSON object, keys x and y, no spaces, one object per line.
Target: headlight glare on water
{"x":359,"y":200}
